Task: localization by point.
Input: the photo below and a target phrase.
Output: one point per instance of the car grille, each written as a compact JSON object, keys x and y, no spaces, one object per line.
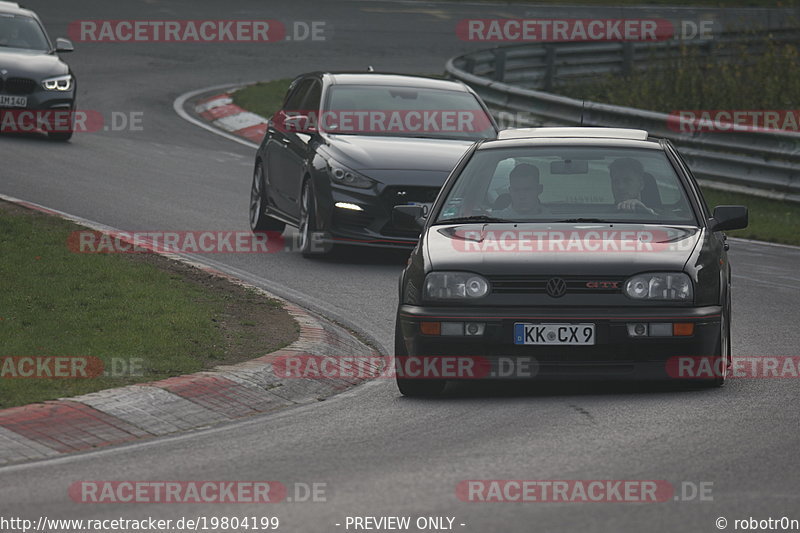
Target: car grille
{"x":537,"y":284}
{"x":18,"y":86}
{"x":399,"y":195}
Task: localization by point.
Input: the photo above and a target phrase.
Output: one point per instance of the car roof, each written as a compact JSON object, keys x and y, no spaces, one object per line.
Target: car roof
{"x":571,"y":135}
{"x":604,"y":133}
{"x":387,"y":78}
{"x":15,"y":8}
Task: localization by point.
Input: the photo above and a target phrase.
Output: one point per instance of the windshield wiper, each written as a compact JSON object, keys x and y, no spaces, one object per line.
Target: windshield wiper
{"x":473,"y":218}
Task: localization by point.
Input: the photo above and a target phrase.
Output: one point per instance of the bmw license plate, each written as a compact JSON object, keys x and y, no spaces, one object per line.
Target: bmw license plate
{"x":13,"y":101}
{"x":565,"y":334}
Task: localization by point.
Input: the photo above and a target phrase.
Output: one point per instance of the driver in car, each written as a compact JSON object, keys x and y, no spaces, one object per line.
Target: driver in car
{"x":524,"y":189}
{"x":11,"y":37}
{"x":627,"y":182}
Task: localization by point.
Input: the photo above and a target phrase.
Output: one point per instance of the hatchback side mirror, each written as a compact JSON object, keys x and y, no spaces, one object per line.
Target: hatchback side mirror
{"x":64,"y":45}
{"x":409,"y":217}
{"x":728,"y":217}
{"x":299,"y":124}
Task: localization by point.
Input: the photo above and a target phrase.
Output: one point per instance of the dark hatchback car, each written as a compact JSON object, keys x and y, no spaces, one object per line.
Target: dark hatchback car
{"x":565,"y":253}
{"x":32,"y":76}
{"x":345,"y":148}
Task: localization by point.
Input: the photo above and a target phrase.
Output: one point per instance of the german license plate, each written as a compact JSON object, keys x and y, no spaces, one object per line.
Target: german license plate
{"x":13,"y":101}
{"x":545,"y":334}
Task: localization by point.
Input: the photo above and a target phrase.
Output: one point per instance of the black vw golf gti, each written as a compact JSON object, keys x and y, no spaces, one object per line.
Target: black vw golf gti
{"x":566,"y":253}
{"x":345,"y":148}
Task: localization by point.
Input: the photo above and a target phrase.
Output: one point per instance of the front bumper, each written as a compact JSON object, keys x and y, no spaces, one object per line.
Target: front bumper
{"x":41,"y":99}
{"x":373,"y":225}
{"x":615,"y":354}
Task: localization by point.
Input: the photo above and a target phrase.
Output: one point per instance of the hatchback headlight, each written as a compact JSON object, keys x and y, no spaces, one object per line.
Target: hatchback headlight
{"x":455,"y":286}
{"x":342,"y":175}
{"x":660,"y":286}
{"x":59,"y":83}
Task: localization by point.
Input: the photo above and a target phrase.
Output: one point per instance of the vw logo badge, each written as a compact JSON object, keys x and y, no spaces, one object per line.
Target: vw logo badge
{"x":556,"y":287}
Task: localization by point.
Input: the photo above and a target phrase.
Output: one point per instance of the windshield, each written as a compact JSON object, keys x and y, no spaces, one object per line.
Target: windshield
{"x":568,"y":183}
{"x":17,"y":31}
{"x":382,"y":110}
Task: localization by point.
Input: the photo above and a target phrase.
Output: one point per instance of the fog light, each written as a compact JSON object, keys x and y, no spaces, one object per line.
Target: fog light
{"x":661,"y":329}
{"x":453,"y":328}
{"x":475,"y":328}
{"x":683,"y":329}
{"x":637,"y":330}
{"x":430,"y":328}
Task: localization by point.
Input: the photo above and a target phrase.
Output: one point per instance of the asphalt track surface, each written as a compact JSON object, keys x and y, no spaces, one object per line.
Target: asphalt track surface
{"x":380,"y":453}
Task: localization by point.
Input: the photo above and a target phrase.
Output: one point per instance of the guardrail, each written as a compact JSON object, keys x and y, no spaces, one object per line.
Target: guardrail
{"x":515,"y":81}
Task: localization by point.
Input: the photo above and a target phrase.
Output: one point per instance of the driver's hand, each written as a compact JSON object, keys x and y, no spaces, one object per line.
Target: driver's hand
{"x":634,"y":205}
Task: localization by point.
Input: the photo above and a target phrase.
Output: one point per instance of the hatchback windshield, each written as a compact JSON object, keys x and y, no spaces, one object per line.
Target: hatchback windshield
{"x":21,"y":32}
{"x":568,"y":183}
{"x":405,"y":111}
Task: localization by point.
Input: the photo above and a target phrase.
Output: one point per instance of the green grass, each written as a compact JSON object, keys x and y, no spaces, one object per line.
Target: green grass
{"x":263,"y":98}
{"x":697,"y":80}
{"x":117,"y":308}
{"x":770,"y":220}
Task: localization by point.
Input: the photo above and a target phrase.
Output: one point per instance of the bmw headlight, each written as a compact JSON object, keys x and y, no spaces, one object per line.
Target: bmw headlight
{"x":660,"y":286}
{"x":455,"y":286}
{"x":342,"y":175}
{"x":59,"y":83}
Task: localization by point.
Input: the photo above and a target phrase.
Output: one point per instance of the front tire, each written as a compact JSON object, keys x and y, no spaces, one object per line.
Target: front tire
{"x":259,"y":220}
{"x":722,"y":356}
{"x":311,"y":244}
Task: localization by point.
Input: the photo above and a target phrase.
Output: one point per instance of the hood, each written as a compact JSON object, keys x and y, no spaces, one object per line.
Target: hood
{"x":31,"y":64}
{"x":560,"y":249}
{"x":366,"y":153}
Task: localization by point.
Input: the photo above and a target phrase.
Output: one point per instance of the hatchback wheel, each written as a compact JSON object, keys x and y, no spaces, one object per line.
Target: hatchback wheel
{"x":259,"y":221}
{"x":311,"y":243}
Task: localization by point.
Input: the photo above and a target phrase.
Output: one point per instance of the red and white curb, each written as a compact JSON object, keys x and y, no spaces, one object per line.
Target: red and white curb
{"x":220,"y":111}
{"x":180,"y":403}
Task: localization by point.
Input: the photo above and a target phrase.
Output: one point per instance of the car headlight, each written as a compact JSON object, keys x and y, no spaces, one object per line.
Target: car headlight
{"x":455,"y":286}
{"x":660,"y":286}
{"x":342,"y":175}
{"x":59,"y":83}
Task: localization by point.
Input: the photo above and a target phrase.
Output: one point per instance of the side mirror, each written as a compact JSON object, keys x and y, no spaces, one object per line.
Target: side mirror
{"x":64,"y":45}
{"x":728,"y":217}
{"x":298,"y":124}
{"x":409,"y":217}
